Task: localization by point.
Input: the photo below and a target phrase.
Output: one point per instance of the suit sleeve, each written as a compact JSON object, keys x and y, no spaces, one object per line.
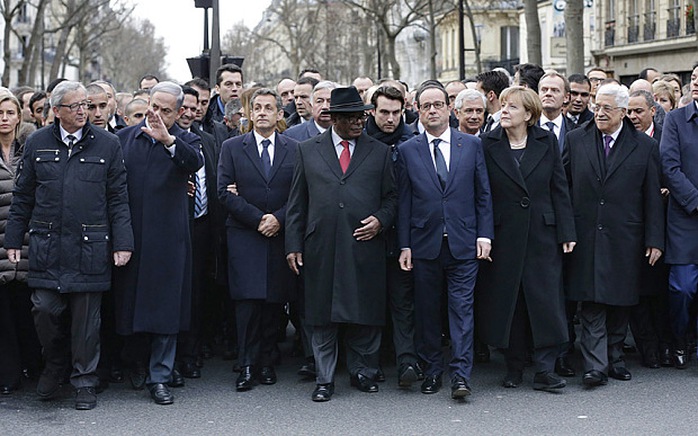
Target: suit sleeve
{"x":297,"y":207}
{"x":386,"y":213}
{"x":187,"y":153}
{"x":117,"y":202}
{"x":235,"y":205}
{"x":654,"y":206}
{"x":684,"y":192}
{"x":483,"y":196}
{"x":405,"y":201}
{"x":564,"y":216}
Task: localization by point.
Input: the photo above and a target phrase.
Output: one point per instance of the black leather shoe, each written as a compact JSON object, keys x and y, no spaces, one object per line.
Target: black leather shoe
{"x":160,"y":394}
{"x":116,"y":375}
{"x":651,"y":360}
{"x":406,"y":375}
{"x":137,"y":376}
{"x":459,"y":388}
{"x":8,"y":389}
{"x":680,"y":359}
{"x":594,"y":378}
{"x":513,"y":379}
{"x":308,"y":369}
{"x":85,"y":398}
{"x":49,"y":384}
{"x":177,"y":380}
{"x":665,"y":358}
{"x":267,"y":376}
{"x":363,"y":383}
{"x":419,"y":370}
{"x":246,"y":379}
{"x":380,"y":375}
{"x":431,"y":384}
{"x":548,"y":381}
{"x":323,"y":392}
{"x":190,"y":370}
{"x":563,"y":367}
{"x":619,"y":373}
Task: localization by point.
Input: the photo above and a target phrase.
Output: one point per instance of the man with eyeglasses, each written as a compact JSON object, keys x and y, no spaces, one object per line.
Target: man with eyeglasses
{"x":445,"y":226}
{"x":580,"y":95}
{"x":71,"y":197}
{"x":596,"y":75}
{"x":614,"y":177}
{"x":342,"y":197}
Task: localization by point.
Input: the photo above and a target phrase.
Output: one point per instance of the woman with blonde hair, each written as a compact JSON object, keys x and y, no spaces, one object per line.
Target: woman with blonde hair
{"x":519,"y":295}
{"x":20,"y":352}
{"x":664,"y":95}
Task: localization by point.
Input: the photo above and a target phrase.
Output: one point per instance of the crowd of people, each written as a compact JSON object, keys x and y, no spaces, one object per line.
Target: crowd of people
{"x":143,"y":232}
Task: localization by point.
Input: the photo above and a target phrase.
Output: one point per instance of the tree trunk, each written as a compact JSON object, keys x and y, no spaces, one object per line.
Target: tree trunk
{"x":33,"y":44}
{"x":60,"y":53}
{"x":6,"y":55}
{"x":574,"y":36}
{"x":432,"y":41}
{"x":390,"y":56}
{"x":533,"y":38}
{"x":473,"y":33}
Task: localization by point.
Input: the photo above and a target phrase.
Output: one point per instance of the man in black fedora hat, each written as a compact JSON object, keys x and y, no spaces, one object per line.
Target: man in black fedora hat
{"x":342,"y":197}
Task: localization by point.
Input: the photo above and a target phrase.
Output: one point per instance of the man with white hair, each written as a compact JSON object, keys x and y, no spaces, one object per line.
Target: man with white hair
{"x":470,"y":107}
{"x":613,"y":171}
{"x":320,"y":121}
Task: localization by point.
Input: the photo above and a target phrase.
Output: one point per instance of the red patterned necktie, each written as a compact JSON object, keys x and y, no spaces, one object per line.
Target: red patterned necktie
{"x":345,"y":157}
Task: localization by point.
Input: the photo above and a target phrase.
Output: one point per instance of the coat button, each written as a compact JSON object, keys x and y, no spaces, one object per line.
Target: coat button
{"x":341,"y":205}
{"x":600,"y":227}
{"x":342,"y":182}
{"x":525,"y":202}
{"x":602,"y":202}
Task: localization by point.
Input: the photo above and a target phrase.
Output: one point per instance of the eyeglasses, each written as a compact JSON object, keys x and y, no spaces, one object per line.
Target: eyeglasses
{"x":435,"y":105}
{"x":75,"y":106}
{"x":595,"y":79}
{"x":353,"y":119}
{"x":605,"y":108}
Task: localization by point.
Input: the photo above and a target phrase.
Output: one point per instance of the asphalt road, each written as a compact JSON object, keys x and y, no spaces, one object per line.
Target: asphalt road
{"x":655,"y":402}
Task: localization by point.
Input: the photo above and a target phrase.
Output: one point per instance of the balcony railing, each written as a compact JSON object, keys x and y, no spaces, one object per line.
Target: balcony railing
{"x":673,"y":26}
{"x":633,"y":28}
{"x":650,"y":27}
{"x":690,"y":27}
{"x":610,"y":34}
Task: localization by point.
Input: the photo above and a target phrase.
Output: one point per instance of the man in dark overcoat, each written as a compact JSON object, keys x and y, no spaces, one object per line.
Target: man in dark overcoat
{"x":680,"y":166}
{"x":613,"y":171}
{"x":153,"y":295}
{"x":260,"y":163}
{"x":71,"y":197}
{"x":342,"y":196}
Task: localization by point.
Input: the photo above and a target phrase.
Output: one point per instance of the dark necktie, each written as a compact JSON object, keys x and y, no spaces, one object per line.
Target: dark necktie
{"x":441,"y":168}
{"x":200,"y":201}
{"x":488,"y":123}
{"x":607,"y":144}
{"x":551,"y":126}
{"x":71,"y":141}
{"x":266,"y":159}
{"x":345,"y":157}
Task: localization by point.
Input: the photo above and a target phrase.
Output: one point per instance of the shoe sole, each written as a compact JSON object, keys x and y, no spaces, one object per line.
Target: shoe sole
{"x":48,"y":395}
{"x":164,"y":403}
{"x":321,"y":399}
{"x":550,"y":388}
{"x":409,"y":377}
{"x":593,"y":384}
{"x":460,"y":393}
{"x":85,"y":406}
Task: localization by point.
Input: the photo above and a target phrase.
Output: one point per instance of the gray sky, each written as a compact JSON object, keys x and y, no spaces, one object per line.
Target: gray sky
{"x":183,"y":41}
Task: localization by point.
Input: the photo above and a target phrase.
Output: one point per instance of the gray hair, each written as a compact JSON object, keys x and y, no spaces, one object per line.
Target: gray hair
{"x":104,"y":82}
{"x":268,"y":91}
{"x":62,"y":89}
{"x":469,"y":95}
{"x":325,"y":84}
{"x":649,"y":98}
{"x":618,"y":92}
{"x":169,"y":88}
{"x":232,"y":107}
{"x":95,"y":89}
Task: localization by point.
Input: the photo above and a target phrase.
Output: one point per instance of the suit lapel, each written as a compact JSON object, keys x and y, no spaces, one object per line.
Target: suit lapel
{"x":250,"y":148}
{"x":535,"y":150}
{"x":327,"y":152}
{"x":501,"y":155}
{"x":591,"y":149}
{"x":423,"y":149}
{"x":280,"y":151}
{"x":361,"y":150}
{"x":621,"y":150}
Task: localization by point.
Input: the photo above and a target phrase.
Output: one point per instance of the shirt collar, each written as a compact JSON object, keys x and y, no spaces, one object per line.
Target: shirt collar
{"x":319,"y":127}
{"x":615,"y":134}
{"x":444,"y":137}
{"x":336,"y":139}
{"x":259,"y":138}
{"x":557,"y":121}
{"x":64,"y":134}
{"x":650,"y":130}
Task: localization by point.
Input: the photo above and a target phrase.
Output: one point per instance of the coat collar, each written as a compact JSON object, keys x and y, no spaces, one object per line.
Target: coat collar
{"x":249,"y":146}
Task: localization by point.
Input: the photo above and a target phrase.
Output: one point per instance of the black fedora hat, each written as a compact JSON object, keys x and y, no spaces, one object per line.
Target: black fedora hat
{"x":346,"y":100}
